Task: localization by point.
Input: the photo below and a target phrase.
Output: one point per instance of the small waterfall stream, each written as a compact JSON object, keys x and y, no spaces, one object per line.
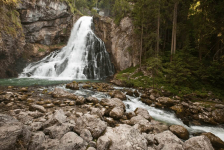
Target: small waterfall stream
{"x":84,"y":57}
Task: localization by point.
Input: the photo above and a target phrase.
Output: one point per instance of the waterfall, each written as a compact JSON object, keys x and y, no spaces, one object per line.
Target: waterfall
{"x":84,"y":57}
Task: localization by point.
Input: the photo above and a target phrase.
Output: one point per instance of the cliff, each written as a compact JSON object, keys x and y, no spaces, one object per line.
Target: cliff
{"x":120,"y":41}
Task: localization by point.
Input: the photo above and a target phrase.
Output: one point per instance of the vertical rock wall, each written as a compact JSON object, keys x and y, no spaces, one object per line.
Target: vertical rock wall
{"x":120,"y":41}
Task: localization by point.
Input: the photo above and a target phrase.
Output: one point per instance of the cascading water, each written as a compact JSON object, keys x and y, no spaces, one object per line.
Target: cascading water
{"x":84,"y":57}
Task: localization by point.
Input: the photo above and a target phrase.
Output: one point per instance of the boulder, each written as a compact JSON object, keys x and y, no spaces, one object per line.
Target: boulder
{"x":36,"y":141}
{"x":198,"y":143}
{"x":218,"y":115}
{"x":166,"y":101}
{"x":118,"y":94}
{"x":56,"y":131}
{"x":71,"y":141}
{"x":10,"y":130}
{"x":141,"y":124}
{"x":179,"y":131}
{"x":86,"y":135}
{"x":73,"y":86}
{"x":121,"y":138}
{"x":92,"y":123}
{"x":37,"y":107}
{"x":60,"y":93}
{"x":216,"y":141}
{"x":113,"y":102}
{"x":130,"y":93}
{"x":92,"y":100}
{"x":58,"y":117}
{"x":143,"y":112}
{"x":117,"y":112}
{"x":168,"y":141}
{"x":80,"y":100}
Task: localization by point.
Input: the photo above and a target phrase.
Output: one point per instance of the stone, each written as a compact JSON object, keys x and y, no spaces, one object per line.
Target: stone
{"x":22,"y":97}
{"x":60,"y":93}
{"x":80,"y":100}
{"x":117,"y":112}
{"x":166,"y":101}
{"x":73,"y":86}
{"x":58,"y":117}
{"x":168,"y":141}
{"x":118,"y":94}
{"x":114,"y":102}
{"x":35,"y":114}
{"x":86,"y":135}
{"x":130,"y":93}
{"x":91,"y":148}
{"x":56,"y":131}
{"x":37,"y":107}
{"x":96,"y":111}
{"x":198,"y":143}
{"x":141,"y":124}
{"x":92,"y":100}
{"x":50,"y":144}
{"x":158,"y":127}
{"x":143,"y":112}
{"x":120,"y":138}
{"x":136,"y":93}
{"x":36,"y":141}
{"x":71,"y":141}
{"x":92,"y":123}
{"x":215,"y":141}
{"x":49,"y":105}
{"x":35,"y":126}
{"x":92,"y":144}
{"x":218,"y":115}
{"x":179,"y":131}
{"x":10,"y":130}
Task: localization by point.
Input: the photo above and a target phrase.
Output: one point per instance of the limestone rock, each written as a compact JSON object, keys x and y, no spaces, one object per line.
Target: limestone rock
{"x":86,"y":135}
{"x":120,"y":138}
{"x":58,"y":117}
{"x":92,"y":100}
{"x":198,"y":143}
{"x":215,"y":141}
{"x":36,"y":141}
{"x":73,"y":86}
{"x":92,"y":123}
{"x":118,"y":94}
{"x":80,"y":100}
{"x":143,"y":112}
{"x":180,"y":131}
{"x":56,"y":131}
{"x":37,"y":107}
{"x":218,"y":115}
{"x":10,"y":130}
{"x":117,"y":112}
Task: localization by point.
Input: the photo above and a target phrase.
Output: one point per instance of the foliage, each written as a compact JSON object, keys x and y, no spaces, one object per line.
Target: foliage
{"x":120,"y":9}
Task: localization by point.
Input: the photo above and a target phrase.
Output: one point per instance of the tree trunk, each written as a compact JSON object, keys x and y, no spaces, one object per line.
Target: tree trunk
{"x":141,"y":47}
{"x":174,"y":32}
{"x":158,"y":26}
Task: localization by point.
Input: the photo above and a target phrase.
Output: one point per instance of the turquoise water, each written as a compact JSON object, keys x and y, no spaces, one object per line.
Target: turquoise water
{"x":37,"y":82}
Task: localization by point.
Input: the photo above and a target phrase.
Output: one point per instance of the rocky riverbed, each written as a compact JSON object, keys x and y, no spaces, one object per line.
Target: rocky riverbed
{"x":62,"y":117}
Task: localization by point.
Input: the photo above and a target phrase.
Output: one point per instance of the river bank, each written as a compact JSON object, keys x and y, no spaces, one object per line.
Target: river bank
{"x":98,"y":115}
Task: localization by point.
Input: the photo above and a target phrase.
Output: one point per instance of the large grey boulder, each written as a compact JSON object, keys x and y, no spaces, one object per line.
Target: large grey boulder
{"x":92,"y":123}
{"x":71,"y":141}
{"x":58,"y":117}
{"x":143,"y":112}
{"x":37,"y":107}
{"x":180,"y":131}
{"x":141,"y":124}
{"x":198,"y":143}
{"x":57,"y":131}
{"x":168,"y":141}
{"x":36,"y":141}
{"x":10,"y":130}
{"x":121,"y":138}
{"x":216,"y":141}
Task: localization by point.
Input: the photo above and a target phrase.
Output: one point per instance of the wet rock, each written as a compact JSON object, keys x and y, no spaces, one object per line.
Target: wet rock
{"x":37,"y":107}
{"x":158,"y":127}
{"x":72,"y":103}
{"x":180,"y":131}
{"x":80,"y":100}
{"x":22,"y":97}
{"x":215,"y":141}
{"x":114,"y":102}
{"x":73,"y":86}
{"x":10,"y":130}
{"x":23,"y":89}
{"x":167,"y":140}
{"x":143,"y":112}
{"x":86,"y":135}
{"x":92,"y":100}
{"x":35,"y":114}
{"x":86,"y":86}
{"x":130,"y":115}
{"x":117,"y":112}
{"x":198,"y":143}
{"x":71,"y":141}
{"x":56,"y":131}
{"x":92,"y":123}
{"x":36,"y":141}
{"x":146,"y":101}
{"x":166,"y":101}
{"x":118,"y":94}
{"x":152,"y":97}
{"x":122,"y":137}
{"x":130,"y":93}
{"x":218,"y":115}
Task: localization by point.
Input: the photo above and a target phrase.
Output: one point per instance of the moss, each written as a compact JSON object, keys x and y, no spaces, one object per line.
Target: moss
{"x":41,"y":50}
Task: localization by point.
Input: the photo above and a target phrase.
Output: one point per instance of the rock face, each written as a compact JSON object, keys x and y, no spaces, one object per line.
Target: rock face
{"x":45,"y":22}
{"x":10,"y":129}
{"x":12,"y":42}
{"x":120,"y":41}
{"x":120,"y":138}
